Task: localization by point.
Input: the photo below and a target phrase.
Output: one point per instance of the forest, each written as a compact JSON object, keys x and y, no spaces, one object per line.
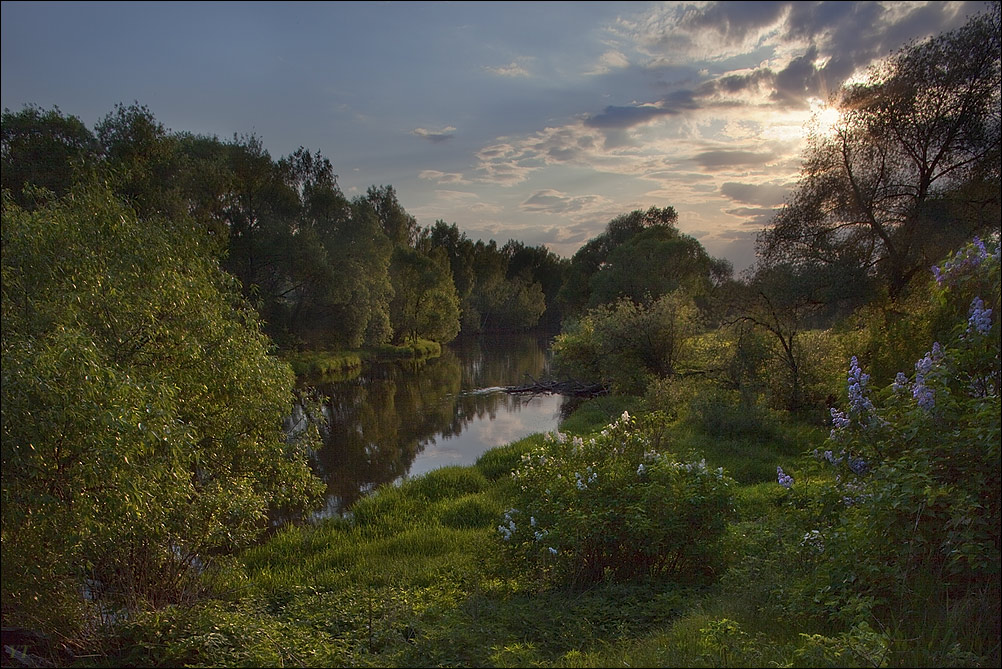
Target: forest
{"x":798,"y":466}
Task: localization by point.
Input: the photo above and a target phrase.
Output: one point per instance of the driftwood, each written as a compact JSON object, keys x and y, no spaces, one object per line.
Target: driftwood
{"x":565,"y":387}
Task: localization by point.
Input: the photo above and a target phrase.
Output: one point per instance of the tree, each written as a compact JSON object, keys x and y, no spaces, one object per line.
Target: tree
{"x":910,"y":170}
{"x":141,"y":412}
{"x":399,"y":226}
{"x":641,"y":255}
{"x":43,"y":148}
{"x":425,"y":303}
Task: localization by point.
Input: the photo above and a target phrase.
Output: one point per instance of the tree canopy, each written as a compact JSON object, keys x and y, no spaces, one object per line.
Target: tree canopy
{"x":911,"y":168}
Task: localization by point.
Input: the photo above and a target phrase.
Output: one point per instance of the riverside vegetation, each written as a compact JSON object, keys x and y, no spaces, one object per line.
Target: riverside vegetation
{"x":798,"y":468}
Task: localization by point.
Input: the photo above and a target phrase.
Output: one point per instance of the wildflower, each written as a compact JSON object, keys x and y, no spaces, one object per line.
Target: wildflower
{"x":979,"y":319}
{"x":859,"y":401}
{"x":640,"y":469}
{"x":858,"y":466}
{"x":553,"y":550}
{"x":783,"y":478}
{"x":900,"y":384}
{"x":814,"y":540}
{"x":923,"y":394}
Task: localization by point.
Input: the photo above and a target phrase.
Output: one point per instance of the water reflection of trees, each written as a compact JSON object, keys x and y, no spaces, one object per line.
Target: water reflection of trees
{"x":381,"y":420}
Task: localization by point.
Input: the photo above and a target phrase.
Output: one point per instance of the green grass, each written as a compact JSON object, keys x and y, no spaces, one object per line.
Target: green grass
{"x":415,"y":577}
{"x":343,"y":365}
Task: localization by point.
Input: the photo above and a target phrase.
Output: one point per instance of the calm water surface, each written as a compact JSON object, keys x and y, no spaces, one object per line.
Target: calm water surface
{"x":406,"y":418}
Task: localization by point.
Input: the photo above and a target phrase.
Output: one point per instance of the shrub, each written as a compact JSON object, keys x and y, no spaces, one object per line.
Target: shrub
{"x":910,"y":518}
{"x":616,"y":506}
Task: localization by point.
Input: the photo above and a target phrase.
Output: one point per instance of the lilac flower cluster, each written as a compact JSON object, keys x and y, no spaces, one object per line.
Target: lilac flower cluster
{"x":901,"y":384}
{"x":860,"y":406}
{"x":854,"y":492}
{"x":979,"y":319}
{"x":923,"y":394}
{"x":968,"y":258}
{"x":507,"y":528}
{"x":814,"y":540}
{"x":783,"y":478}
{"x":859,"y":401}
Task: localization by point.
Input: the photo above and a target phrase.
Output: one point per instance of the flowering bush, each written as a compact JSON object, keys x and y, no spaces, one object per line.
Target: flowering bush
{"x":617,"y":506}
{"x":916,"y":465}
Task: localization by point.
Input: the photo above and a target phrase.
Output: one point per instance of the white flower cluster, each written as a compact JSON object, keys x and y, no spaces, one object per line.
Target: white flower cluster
{"x":507,"y":527}
{"x":582,"y":482}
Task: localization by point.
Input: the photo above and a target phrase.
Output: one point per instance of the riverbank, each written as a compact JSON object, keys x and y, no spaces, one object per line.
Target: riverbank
{"x":415,"y":577}
{"x":341,"y":365}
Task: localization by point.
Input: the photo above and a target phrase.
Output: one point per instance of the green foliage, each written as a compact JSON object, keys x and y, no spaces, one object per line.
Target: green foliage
{"x":142,"y":414}
{"x":626,"y":344}
{"x":219,"y":635}
{"x":424,"y":303}
{"x":640,"y":256}
{"x":445,"y":483}
{"x":324,"y":364}
{"x":42,"y":149}
{"x":616,"y":506}
{"x":912,"y":522}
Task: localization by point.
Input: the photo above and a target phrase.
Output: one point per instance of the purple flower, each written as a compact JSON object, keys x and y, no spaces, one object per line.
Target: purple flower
{"x":900,"y":384}
{"x":858,"y":466}
{"x":923,"y":394}
{"x":783,"y":478}
{"x":979,"y":319}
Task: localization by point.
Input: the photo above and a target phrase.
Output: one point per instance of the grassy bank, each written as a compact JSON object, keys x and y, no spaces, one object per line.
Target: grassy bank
{"x":416,"y":577}
{"x":340,"y":365}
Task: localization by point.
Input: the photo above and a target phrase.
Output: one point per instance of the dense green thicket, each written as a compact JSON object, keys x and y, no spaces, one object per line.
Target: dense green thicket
{"x":141,"y":413}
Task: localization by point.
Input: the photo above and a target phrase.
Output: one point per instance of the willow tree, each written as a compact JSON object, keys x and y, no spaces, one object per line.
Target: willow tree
{"x":141,"y":412}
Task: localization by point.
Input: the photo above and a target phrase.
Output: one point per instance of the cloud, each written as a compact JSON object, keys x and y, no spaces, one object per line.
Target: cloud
{"x":435,"y":136}
{"x":550,"y":201}
{"x":512,"y":69}
{"x":609,"y":61}
{"x":767,"y":195}
{"x":443,"y":177}
{"x":759,"y":217}
{"x":466,"y":200}
{"x":721,"y":160}
{"x":734,"y":22}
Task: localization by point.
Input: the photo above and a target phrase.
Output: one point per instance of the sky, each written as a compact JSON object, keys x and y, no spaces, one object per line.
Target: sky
{"x":535,"y":121}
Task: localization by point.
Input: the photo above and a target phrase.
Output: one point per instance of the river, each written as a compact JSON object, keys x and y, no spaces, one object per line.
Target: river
{"x":406,"y":418}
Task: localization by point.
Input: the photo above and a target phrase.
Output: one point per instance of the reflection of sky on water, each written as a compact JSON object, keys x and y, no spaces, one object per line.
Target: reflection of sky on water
{"x":518,"y":418}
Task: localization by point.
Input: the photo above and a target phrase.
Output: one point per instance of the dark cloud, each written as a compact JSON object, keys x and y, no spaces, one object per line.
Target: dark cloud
{"x":555,"y":202}
{"x":614,"y":117}
{"x":734,"y":20}
{"x":841,"y":37}
{"x":767,"y":195}
{"x":759,"y":217}
{"x":718,"y":160}
{"x":626,"y":117}
{"x":435,"y":136}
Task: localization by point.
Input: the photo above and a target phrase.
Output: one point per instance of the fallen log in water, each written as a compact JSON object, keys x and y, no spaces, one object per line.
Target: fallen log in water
{"x":566,"y":387}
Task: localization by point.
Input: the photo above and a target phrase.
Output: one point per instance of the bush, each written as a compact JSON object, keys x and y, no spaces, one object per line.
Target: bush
{"x":910,"y":517}
{"x":616,"y":506}
{"x":141,"y":412}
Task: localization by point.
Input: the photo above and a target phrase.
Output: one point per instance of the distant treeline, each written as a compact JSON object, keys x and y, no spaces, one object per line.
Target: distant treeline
{"x":323,"y":270}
